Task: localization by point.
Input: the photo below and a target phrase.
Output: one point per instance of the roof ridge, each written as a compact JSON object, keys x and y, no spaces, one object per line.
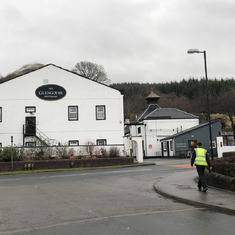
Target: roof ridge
{"x":50,"y":64}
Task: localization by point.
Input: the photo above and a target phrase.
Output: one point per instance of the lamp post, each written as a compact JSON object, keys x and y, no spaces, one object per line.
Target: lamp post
{"x":193,"y":51}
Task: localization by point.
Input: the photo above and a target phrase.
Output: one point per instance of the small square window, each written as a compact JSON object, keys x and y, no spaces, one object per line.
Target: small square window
{"x":30,"y":109}
{"x":100,"y":112}
{"x":101,"y":142}
{"x":73,"y":113}
{"x":73,"y":142}
{"x":30,"y":144}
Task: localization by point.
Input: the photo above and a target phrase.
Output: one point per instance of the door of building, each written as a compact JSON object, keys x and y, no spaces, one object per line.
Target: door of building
{"x":168,"y":149}
{"x":30,"y":126}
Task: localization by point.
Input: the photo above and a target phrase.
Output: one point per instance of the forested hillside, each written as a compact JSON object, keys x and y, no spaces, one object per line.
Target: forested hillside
{"x":187,"y":95}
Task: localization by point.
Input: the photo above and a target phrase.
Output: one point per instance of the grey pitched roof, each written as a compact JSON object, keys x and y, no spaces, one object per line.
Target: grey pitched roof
{"x":155,"y":112}
{"x":170,"y":113}
{"x":149,"y":110}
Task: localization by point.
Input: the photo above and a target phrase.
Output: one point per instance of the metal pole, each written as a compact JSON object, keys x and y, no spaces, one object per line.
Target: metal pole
{"x":11,"y":153}
{"x":208,"y":107}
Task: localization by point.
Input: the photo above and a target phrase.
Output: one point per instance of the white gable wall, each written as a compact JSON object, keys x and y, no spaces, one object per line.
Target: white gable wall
{"x":52,"y":116}
{"x":154,"y":130}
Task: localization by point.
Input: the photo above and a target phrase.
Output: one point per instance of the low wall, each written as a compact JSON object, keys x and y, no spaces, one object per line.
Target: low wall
{"x":65,"y":163}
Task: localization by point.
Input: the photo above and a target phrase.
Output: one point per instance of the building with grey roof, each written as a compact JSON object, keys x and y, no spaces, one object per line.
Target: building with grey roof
{"x":182,"y":143}
{"x":156,"y":123}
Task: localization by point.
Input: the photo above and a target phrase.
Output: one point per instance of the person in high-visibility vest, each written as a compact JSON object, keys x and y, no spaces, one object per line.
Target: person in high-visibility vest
{"x":200,"y":158}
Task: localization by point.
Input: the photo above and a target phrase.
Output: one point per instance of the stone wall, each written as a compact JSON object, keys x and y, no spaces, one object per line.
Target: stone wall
{"x":66,"y":163}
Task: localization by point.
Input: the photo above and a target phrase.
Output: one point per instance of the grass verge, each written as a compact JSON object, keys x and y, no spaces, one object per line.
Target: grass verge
{"x":63,"y":169}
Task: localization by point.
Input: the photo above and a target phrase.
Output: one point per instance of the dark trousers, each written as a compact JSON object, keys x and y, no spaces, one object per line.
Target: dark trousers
{"x":202,"y":180}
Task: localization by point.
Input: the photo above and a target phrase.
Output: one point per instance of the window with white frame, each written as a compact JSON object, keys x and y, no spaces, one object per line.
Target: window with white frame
{"x":73,"y":143}
{"x":0,"y":114}
{"x":100,"y":112}
{"x":30,"y":109}
{"x":165,"y":145}
{"x":101,"y":142}
{"x":73,"y":113}
{"x":30,"y":144}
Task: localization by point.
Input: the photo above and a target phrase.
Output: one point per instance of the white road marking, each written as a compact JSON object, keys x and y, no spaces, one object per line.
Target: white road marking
{"x":83,"y":174}
{"x":98,"y":219}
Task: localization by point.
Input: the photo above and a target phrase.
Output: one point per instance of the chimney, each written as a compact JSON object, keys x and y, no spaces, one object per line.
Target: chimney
{"x":152,"y":98}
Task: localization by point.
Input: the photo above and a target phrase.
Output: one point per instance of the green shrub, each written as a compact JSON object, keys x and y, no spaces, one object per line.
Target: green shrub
{"x":226,"y":159}
{"x":228,"y":154}
{"x":5,"y":154}
{"x":220,"y":181}
{"x":224,"y":166}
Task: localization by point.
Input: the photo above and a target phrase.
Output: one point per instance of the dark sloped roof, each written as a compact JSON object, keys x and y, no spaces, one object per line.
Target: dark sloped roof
{"x":149,"y":110}
{"x":154,"y":112}
{"x":191,"y":129}
{"x":152,"y":98}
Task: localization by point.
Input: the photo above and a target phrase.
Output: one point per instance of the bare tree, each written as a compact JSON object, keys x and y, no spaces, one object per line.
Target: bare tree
{"x":225,"y":104}
{"x":91,"y":70}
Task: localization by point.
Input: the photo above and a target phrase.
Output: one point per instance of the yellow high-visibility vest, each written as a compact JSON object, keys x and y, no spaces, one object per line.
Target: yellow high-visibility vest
{"x":200,"y":157}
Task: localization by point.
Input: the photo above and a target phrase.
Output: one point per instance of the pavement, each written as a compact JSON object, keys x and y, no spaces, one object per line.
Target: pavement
{"x":182,"y":187}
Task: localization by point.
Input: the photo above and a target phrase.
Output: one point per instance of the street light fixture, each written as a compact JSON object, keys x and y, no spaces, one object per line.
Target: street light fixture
{"x":193,"y":51}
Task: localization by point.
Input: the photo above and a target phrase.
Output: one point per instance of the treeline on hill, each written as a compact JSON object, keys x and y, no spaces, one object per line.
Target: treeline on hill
{"x":187,"y":95}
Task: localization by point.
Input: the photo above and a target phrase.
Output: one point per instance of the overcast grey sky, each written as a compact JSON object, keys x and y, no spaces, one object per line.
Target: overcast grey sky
{"x":135,"y":40}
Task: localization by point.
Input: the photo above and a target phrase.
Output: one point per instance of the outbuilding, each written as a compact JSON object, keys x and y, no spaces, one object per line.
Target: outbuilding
{"x":157,"y":123}
{"x":181,"y":144}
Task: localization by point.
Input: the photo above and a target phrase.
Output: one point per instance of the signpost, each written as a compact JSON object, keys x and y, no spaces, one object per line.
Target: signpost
{"x":11,"y":153}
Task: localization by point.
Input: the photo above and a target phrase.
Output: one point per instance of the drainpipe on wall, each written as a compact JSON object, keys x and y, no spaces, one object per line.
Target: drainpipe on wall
{"x":23,"y":135}
{"x":145,"y":139}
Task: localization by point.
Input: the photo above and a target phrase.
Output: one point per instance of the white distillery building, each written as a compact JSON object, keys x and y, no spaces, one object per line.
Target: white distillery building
{"x":156,"y":123}
{"x":57,"y":106}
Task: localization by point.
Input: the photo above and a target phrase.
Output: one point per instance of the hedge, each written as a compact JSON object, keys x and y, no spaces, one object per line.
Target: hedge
{"x":225,"y":165}
{"x":220,"y":181}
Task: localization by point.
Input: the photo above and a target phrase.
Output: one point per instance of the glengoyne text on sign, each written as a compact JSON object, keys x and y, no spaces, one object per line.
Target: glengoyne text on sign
{"x":50,"y":92}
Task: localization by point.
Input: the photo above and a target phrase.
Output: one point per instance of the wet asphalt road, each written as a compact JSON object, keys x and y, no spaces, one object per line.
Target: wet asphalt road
{"x":107,"y":201}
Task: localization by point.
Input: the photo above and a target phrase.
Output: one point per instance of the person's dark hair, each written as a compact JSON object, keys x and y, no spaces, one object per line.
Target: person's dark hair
{"x":199,"y":144}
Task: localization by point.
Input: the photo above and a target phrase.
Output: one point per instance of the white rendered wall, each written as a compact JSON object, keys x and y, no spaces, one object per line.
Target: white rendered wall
{"x":154,"y":130}
{"x":52,"y":116}
{"x":159,"y":129}
{"x":221,"y":148}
